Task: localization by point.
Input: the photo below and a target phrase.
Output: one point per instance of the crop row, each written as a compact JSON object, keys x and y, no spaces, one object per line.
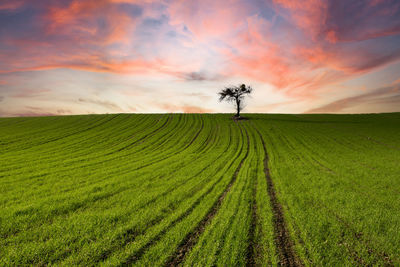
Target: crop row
{"x":180,"y":189}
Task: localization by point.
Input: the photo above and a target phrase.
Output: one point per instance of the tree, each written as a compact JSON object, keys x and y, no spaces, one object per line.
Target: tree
{"x":236,"y":95}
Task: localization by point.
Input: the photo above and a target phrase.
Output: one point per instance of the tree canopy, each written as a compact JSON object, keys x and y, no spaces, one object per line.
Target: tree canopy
{"x":235,"y":94}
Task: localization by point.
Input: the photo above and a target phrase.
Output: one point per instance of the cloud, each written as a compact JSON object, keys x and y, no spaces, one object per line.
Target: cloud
{"x":389,"y":95}
{"x":195,"y":76}
{"x":102,"y":103}
{"x":133,"y":109}
{"x":308,"y":15}
{"x":34,"y":111}
{"x":82,"y":35}
{"x":28,"y":93}
{"x":202,"y":97}
{"x":331,"y":47}
{"x":28,"y":111}
{"x":198,"y":76}
{"x":63,"y":111}
{"x":1,"y":98}
{"x":333,"y":20}
{"x":352,"y":61}
{"x":256,"y":57}
{"x":94,"y":21}
{"x":295,"y":47}
{"x":209,"y":19}
{"x":273,"y":106}
{"x":29,"y":114}
{"x":195,"y":109}
{"x":103,"y":36}
{"x":8,"y":5}
{"x":95,"y":64}
{"x":396,"y":82}
{"x":185,"y":108}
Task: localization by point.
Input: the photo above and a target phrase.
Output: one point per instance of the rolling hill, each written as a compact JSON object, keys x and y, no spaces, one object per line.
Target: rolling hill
{"x":200,"y":189}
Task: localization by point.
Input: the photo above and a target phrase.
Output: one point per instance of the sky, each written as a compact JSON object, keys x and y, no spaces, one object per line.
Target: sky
{"x":63,"y":57}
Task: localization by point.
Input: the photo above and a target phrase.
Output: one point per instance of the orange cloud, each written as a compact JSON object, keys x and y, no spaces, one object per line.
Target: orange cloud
{"x":121,"y":67}
{"x":185,"y":108}
{"x":80,"y":20}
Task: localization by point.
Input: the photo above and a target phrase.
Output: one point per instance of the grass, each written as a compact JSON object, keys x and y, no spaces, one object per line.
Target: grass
{"x":193,"y":190}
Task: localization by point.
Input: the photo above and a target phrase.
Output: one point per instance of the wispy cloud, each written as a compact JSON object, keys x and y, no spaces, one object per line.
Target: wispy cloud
{"x":103,"y":103}
{"x":11,"y":5}
{"x":33,"y":111}
{"x":186,"y":108}
{"x":201,"y":96}
{"x":389,"y":95}
{"x":298,"y":48}
{"x":28,"y":93}
{"x":199,"y":76}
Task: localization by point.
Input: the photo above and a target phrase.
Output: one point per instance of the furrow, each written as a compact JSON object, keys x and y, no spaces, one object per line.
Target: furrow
{"x":144,"y":137}
{"x":190,"y":240}
{"x":252,"y":243}
{"x":283,"y":242}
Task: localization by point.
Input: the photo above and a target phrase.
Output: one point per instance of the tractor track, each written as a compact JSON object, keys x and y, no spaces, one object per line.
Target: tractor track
{"x":132,"y":259}
{"x":356,"y":257}
{"x":253,"y":248}
{"x":191,"y":239}
{"x":284,"y":245}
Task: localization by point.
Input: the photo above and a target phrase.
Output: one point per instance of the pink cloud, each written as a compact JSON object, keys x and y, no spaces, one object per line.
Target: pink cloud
{"x":301,"y":48}
{"x":79,"y":21}
{"x":29,"y":111}
{"x":185,"y":108}
{"x":256,"y":57}
{"x":333,"y":21}
{"x":27,"y":93}
{"x":389,"y":96}
{"x":11,"y":5}
{"x":396,"y":82}
{"x":209,"y":18}
{"x":308,"y":15}
{"x":99,"y":65}
{"x":317,"y":59}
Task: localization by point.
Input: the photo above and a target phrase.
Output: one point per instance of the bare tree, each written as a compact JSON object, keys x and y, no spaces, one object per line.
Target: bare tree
{"x":236,"y":95}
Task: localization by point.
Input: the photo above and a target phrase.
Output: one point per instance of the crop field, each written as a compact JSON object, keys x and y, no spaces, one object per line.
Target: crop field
{"x":200,"y":190}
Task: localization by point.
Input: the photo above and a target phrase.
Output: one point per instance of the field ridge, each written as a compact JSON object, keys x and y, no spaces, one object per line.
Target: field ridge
{"x":190,"y":240}
{"x":284,"y":244}
{"x":200,"y":190}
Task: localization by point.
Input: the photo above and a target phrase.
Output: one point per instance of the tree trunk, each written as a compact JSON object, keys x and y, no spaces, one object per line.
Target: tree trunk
{"x":237,"y":108}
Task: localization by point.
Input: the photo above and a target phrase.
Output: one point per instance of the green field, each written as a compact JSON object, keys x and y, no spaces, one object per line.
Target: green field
{"x":200,"y":190}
